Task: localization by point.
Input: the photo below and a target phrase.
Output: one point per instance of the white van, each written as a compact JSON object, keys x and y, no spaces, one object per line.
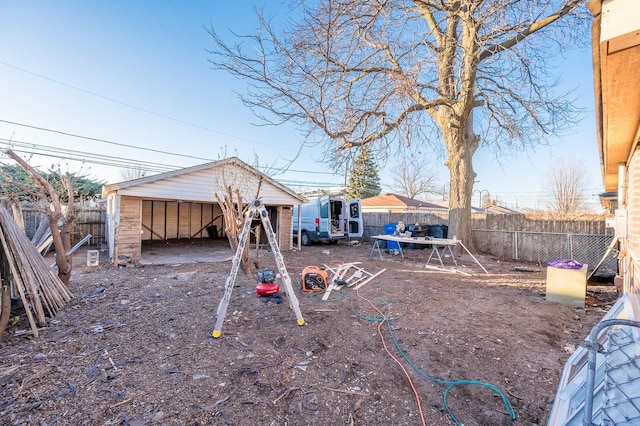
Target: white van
{"x":327,"y":218}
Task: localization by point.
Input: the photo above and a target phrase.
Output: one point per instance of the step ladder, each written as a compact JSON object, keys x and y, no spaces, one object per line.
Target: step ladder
{"x":256,"y":208}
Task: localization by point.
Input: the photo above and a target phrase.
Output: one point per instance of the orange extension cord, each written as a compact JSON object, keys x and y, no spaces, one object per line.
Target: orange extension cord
{"x":397,"y":361}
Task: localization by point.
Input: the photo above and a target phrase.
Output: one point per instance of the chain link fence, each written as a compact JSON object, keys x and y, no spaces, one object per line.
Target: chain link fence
{"x":541,"y":247}
{"x":622,"y":380}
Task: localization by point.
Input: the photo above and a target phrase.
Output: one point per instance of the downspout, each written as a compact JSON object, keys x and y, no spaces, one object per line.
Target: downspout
{"x":622,"y":196}
{"x":622,"y":235}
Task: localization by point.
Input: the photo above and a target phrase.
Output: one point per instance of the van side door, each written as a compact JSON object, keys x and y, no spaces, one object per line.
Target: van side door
{"x":354,"y":215}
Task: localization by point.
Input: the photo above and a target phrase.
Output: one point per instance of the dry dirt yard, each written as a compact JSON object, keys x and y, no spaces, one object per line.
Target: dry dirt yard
{"x":134,"y":347}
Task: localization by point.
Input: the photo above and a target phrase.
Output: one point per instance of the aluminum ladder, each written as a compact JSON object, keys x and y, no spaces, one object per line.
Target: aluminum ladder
{"x":257,"y":207}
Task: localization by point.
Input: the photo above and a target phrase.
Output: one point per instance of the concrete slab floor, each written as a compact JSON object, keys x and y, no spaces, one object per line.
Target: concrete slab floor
{"x":173,"y":252}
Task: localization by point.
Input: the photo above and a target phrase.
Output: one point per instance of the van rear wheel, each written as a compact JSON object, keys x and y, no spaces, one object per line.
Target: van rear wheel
{"x":304,"y":239}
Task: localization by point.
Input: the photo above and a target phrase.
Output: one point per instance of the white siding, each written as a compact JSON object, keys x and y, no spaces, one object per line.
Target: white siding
{"x":633,"y":226}
{"x":201,"y":186}
{"x":619,"y":17}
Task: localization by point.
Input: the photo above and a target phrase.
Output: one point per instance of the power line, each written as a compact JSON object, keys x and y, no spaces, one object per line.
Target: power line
{"x":104,"y":141}
{"x":155,"y":167}
{"x":109,"y":160}
{"x":84,"y":157}
{"x":147,"y":111}
{"x":94,"y":139}
{"x":142,"y":110}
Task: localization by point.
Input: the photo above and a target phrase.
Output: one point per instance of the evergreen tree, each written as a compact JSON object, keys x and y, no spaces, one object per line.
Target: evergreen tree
{"x":16,"y":183}
{"x":364,"y":181}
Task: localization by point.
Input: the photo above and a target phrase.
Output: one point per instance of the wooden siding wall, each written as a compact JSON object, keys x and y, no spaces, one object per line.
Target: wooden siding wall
{"x":633,"y":227}
{"x":165,"y":220}
{"x":285,"y":225}
{"x":128,"y":242}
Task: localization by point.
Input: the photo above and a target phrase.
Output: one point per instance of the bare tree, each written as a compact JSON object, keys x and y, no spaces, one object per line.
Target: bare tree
{"x":442,"y":192}
{"x":487,"y":201}
{"x":373,"y":72}
{"x":567,"y":187}
{"x":233,"y":211}
{"x":234,"y":198}
{"x":131,"y":174}
{"x":412,"y":174}
{"x":60,"y":219}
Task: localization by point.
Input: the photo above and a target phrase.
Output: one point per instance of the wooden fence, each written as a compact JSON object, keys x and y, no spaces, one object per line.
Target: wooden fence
{"x":374,"y":223}
{"x":592,"y":225}
{"x":88,"y":220}
{"x":518,"y":237}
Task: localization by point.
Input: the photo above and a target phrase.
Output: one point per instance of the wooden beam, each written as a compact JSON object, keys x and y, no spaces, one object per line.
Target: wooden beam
{"x":201,"y":229}
{"x":152,"y":232}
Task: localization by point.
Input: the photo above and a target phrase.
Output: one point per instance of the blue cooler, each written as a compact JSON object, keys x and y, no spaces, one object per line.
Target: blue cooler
{"x":390,"y":229}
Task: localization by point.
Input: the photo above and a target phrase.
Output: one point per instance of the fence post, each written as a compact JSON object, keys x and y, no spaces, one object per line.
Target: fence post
{"x":543,"y":246}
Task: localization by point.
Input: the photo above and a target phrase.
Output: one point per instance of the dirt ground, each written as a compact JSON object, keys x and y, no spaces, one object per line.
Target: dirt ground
{"x":134,"y":347}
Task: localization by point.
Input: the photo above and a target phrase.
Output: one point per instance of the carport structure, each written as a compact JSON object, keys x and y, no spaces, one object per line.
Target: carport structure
{"x":182,"y":204}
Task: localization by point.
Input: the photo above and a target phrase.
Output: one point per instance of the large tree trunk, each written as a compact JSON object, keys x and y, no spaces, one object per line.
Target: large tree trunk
{"x":461,"y":145}
{"x":461,"y":187}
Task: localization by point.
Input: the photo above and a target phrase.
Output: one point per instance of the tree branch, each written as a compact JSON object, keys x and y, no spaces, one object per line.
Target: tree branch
{"x":35,"y":175}
{"x":567,"y":8}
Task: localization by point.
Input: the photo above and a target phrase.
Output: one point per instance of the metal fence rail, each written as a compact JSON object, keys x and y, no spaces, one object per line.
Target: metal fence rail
{"x":541,"y":247}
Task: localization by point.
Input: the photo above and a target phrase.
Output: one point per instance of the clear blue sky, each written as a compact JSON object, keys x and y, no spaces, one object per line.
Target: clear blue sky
{"x":136,"y":73}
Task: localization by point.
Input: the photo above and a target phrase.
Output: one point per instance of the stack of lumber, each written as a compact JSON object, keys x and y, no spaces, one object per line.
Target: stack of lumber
{"x":42,"y":238}
{"x":40,"y":289}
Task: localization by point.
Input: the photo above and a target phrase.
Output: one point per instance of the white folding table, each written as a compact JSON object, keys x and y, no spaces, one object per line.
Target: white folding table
{"x":435,"y":243}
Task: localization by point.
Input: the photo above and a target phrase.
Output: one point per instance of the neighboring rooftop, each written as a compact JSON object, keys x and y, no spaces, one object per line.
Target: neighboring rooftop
{"x":399,"y":203}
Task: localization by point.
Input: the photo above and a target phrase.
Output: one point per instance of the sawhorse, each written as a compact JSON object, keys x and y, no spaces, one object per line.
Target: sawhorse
{"x":435,"y":250}
{"x":376,"y":246}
